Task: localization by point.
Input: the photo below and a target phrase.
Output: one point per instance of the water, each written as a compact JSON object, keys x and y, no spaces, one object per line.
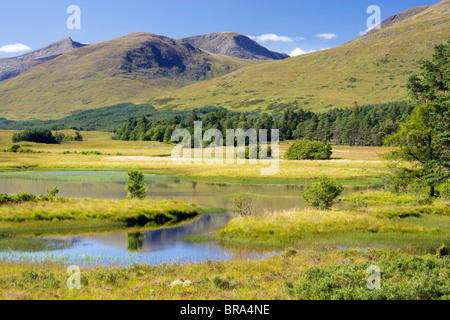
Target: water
{"x":165,"y":245}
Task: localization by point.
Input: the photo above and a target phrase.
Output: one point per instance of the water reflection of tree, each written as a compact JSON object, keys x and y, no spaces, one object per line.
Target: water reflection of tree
{"x":135,"y":241}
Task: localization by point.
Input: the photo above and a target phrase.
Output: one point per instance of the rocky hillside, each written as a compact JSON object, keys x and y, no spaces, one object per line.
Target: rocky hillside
{"x":234,"y":45}
{"x":12,"y":67}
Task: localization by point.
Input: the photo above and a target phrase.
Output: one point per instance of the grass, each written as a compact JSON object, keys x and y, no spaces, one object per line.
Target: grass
{"x":350,"y":165}
{"x":386,"y":222}
{"x":63,"y":214}
{"x":305,"y":275}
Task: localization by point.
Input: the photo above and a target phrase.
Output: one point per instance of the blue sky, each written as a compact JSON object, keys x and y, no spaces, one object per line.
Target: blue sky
{"x":283,"y":25}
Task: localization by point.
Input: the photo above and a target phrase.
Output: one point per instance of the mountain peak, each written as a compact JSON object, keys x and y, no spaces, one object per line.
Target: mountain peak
{"x":235,"y":45}
{"x":12,"y":67}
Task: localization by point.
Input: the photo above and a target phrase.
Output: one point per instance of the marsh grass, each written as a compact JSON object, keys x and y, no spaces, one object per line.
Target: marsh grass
{"x":385,"y":222}
{"x":273,"y":278}
{"x":65,"y":215}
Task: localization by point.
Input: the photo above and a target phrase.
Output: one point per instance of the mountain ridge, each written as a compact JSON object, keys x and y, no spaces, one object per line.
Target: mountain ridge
{"x":235,"y":45}
{"x":132,"y":68}
{"x":12,"y":67}
{"x":366,"y":70}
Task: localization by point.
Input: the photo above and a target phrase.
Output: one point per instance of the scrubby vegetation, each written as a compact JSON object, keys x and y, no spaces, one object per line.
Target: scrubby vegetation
{"x":322,"y":193}
{"x":42,"y":135}
{"x":303,"y":275}
{"x":308,"y":150}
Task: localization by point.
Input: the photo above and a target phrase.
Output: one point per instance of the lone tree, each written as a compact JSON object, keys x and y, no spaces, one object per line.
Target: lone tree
{"x":322,"y":193}
{"x":424,"y":140}
{"x":136,"y":185}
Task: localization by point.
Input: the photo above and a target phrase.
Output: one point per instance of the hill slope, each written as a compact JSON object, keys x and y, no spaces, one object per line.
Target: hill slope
{"x":133,"y":68}
{"x":367,"y":70}
{"x":12,"y":67}
{"x":234,"y":45}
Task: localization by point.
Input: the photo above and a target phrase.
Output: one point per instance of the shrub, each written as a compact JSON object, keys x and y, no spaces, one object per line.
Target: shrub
{"x":243,"y":204}
{"x":322,"y":193}
{"x":308,"y":150}
{"x":442,"y":251}
{"x":14,"y":148}
{"x":136,"y":185}
{"x":289,"y":252}
{"x":445,"y":190}
{"x":37,"y":135}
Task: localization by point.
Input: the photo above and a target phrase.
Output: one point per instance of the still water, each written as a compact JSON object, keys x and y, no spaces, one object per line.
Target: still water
{"x":164,"y":245}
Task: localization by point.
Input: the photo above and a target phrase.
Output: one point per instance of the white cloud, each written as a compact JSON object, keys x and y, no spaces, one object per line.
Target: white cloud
{"x":271,"y":37}
{"x":326,"y":36}
{"x":12,"y":48}
{"x":298,"y":52}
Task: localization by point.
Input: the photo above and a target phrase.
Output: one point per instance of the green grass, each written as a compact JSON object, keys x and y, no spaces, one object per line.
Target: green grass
{"x":62,"y":214}
{"x":305,"y":275}
{"x":388,"y":221}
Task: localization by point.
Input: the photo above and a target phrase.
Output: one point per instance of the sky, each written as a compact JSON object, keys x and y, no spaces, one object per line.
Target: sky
{"x":290,"y":26}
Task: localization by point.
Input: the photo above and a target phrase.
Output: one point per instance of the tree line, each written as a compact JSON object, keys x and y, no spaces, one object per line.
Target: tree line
{"x":356,"y":126}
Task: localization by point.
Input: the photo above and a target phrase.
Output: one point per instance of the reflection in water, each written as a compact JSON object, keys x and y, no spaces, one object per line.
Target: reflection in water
{"x":162,"y":245}
{"x":216,"y":195}
{"x":135,"y":241}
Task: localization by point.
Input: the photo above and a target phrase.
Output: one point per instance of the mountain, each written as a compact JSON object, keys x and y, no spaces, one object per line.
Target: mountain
{"x":397,"y":18}
{"x":368,"y":70}
{"x":133,"y":68}
{"x":12,"y":67}
{"x":234,"y":45}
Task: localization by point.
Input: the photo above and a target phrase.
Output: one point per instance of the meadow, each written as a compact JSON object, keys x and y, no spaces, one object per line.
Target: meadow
{"x":98,"y":151}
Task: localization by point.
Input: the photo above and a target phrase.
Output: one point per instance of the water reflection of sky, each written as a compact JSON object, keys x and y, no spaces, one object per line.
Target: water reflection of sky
{"x":155,"y":246}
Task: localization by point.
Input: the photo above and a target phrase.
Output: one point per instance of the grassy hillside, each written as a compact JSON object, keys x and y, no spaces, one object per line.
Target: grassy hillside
{"x":133,"y":68}
{"x":369,"y":69}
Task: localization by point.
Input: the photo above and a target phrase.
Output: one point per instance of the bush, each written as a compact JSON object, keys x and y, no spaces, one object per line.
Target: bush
{"x":445,"y":190}
{"x":15,"y":148}
{"x":37,"y":135}
{"x":243,"y":204}
{"x":442,"y":251}
{"x":322,"y":193}
{"x":308,"y":150}
{"x":136,"y":185}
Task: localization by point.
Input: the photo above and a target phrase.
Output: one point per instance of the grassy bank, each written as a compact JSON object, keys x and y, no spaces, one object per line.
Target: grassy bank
{"x":304,"y":275}
{"x":62,"y":214}
{"x":98,"y":151}
{"x":372,"y":219}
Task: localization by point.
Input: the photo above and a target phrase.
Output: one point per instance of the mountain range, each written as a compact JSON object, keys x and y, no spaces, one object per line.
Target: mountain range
{"x":224,"y":69}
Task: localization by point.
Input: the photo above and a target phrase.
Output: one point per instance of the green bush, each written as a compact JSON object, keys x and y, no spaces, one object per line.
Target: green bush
{"x":38,"y":135}
{"x":402,"y":278}
{"x":308,"y":150}
{"x":445,"y":190}
{"x":136,"y":185}
{"x":322,"y":193}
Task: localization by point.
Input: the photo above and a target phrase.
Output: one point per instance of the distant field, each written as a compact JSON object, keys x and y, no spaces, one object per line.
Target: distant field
{"x":355,"y":165}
